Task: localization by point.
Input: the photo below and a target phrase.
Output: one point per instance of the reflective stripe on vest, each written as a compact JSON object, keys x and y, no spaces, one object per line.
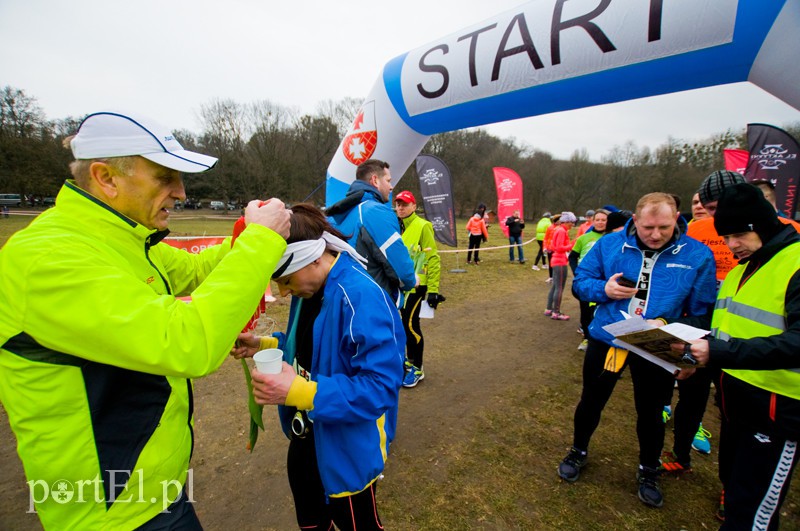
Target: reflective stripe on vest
{"x":757,"y":310}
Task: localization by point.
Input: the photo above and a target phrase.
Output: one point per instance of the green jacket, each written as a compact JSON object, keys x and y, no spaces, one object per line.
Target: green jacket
{"x":96,"y":354}
{"x":541,"y":228}
{"x":757,"y":309}
{"x":421,"y":243}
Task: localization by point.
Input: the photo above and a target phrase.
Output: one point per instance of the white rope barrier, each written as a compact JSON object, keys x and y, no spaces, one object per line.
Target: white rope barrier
{"x":485,"y":248}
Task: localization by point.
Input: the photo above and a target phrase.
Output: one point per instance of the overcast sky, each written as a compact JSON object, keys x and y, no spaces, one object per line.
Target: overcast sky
{"x":166,"y":58}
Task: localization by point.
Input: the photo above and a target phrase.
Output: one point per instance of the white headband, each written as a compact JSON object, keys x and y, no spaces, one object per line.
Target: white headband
{"x":300,"y":254}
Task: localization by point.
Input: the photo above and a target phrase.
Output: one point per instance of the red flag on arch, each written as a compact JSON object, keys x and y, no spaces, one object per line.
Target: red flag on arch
{"x":509,"y":195}
{"x":736,"y":159}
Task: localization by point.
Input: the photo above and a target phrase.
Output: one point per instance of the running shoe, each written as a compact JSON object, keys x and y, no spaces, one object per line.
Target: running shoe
{"x":649,"y":490}
{"x":701,"y":441}
{"x":671,"y":464}
{"x":413,"y":377}
{"x":570,"y":468}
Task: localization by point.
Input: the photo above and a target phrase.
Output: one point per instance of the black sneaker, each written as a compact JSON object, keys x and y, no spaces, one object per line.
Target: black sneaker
{"x":649,"y":491}
{"x":570,"y":468}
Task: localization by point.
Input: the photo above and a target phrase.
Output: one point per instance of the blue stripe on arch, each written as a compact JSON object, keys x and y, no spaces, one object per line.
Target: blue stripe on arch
{"x":718,"y":65}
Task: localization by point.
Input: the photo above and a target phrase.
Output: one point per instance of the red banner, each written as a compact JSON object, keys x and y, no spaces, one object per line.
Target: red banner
{"x":509,"y":195}
{"x":193,"y":244}
{"x":736,"y":159}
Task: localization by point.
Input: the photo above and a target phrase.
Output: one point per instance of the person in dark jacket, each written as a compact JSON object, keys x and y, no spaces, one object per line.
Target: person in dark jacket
{"x":515,"y":225}
{"x":756,"y":343}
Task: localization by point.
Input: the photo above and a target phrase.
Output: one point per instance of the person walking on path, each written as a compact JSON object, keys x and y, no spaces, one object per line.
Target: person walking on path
{"x":476,"y":228}
{"x":515,"y":225}
{"x":419,"y":239}
{"x":560,"y":246}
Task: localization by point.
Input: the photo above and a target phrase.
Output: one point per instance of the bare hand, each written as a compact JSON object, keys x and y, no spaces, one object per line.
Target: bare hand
{"x":271,"y":214}
{"x":655,"y":322}
{"x":272,"y":389}
{"x":617,"y":291}
{"x":246,"y":346}
{"x":685,"y":373}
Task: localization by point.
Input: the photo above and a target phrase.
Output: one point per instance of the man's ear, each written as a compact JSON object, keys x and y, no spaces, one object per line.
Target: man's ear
{"x":103,"y":179}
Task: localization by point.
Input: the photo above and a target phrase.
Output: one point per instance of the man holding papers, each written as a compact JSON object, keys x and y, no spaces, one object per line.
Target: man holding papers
{"x":671,"y":276}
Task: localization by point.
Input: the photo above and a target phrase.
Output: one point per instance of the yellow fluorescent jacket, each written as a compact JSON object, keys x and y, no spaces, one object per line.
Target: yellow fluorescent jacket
{"x":96,"y":354}
{"x":757,"y":310}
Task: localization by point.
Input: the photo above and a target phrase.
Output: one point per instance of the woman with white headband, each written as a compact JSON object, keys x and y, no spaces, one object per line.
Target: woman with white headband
{"x":339,"y":388}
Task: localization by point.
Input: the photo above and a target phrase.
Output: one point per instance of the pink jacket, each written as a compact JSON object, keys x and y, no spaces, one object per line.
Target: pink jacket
{"x":561,"y":246}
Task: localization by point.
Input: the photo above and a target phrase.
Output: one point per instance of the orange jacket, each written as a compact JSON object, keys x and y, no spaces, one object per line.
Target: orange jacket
{"x":703,"y":230}
{"x":548,"y":236}
{"x":476,"y":227}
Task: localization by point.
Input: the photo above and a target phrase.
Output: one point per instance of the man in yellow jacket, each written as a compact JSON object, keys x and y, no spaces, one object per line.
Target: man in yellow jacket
{"x":418,"y":237}
{"x":756,"y":343}
{"x":96,"y":351}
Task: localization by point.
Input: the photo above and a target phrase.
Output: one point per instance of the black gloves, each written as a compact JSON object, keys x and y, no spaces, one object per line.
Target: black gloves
{"x":434,"y":299}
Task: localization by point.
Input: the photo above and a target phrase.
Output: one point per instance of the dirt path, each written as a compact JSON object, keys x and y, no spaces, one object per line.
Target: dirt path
{"x":485,"y":350}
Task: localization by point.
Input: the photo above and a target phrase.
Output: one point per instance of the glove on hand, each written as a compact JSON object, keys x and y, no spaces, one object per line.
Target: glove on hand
{"x":434,"y":299}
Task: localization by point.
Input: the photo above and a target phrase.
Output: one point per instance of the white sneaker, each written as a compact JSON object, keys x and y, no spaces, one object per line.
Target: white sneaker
{"x":584,"y":344}
{"x":544,"y":266}
{"x":549,"y":279}
{"x":535,"y":267}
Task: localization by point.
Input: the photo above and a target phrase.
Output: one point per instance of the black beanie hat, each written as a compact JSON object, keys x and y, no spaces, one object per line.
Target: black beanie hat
{"x":742,"y":208}
{"x":713,"y":185}
{"x":617,"y":219}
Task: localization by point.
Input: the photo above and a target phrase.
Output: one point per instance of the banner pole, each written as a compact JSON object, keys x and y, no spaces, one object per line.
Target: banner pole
{"x":458,"y":268}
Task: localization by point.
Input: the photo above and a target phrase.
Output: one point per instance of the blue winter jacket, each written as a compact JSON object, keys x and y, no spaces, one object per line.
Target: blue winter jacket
{"x":359,"y":346}
{"x":682,"y":283}
{"x":372,"y":228}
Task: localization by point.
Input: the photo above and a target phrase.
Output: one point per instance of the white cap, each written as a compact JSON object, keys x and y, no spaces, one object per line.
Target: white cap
{"x":108,"y":134}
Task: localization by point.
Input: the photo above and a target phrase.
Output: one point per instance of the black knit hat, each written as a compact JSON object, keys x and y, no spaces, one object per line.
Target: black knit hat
{"x":713,"y":185}
{"x":617,"y":219}
{"x":742,"y":208}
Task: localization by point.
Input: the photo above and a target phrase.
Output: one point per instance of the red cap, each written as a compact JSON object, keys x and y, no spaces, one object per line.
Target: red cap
{"x":405,"y":197}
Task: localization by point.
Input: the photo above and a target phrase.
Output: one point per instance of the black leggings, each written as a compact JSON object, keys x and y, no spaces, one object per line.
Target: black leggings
{"x":652,"y":386}
{"x":474,"y":243}
{"x":415,"y":343}
{"x":541,"y":254}
{"x":692,"y":399}
{"x":358,"y":512}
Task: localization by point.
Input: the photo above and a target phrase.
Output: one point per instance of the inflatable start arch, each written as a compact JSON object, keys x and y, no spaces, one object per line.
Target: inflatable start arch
{"x":555,"y":55}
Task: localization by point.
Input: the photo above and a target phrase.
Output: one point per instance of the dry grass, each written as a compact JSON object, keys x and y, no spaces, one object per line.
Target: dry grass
{"x":492,"y":463}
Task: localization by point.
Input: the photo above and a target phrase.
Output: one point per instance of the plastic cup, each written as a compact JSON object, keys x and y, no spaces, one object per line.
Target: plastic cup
{"x":269,"y":361}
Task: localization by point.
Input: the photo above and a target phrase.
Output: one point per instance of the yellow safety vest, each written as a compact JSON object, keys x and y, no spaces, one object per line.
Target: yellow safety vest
{"x":757,"y":310}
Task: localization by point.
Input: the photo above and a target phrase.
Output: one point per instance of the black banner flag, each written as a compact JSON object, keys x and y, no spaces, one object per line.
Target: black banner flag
{"x":434,"y":184}
{"x":775,"y":157}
